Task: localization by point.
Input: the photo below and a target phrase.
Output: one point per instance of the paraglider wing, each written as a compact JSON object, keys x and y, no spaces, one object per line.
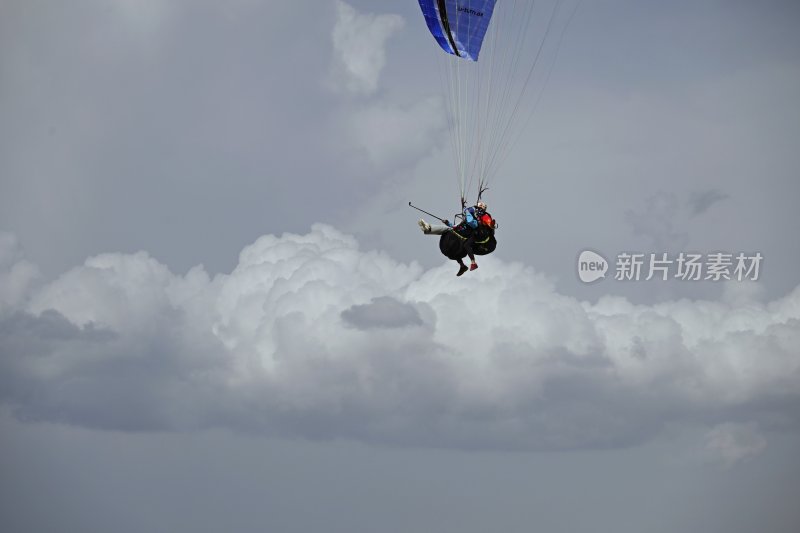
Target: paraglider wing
{"x":459,"y":26}
{"x":489,"y":101}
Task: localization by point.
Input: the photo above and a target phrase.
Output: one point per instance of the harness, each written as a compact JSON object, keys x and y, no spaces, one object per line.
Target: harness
{"x":484,"y":241}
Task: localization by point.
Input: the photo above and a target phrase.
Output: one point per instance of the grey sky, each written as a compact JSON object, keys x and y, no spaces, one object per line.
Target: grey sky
{"x":166,"y":344}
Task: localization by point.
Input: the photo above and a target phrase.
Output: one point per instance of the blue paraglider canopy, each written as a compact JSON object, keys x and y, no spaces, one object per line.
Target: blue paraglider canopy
{"x":458,"y":26}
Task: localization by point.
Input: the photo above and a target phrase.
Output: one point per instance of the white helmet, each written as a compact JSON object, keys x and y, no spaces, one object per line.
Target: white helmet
{"x":482,"y":204}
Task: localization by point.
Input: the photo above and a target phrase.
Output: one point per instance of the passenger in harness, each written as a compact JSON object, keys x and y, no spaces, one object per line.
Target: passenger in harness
{"x":474,"y":217}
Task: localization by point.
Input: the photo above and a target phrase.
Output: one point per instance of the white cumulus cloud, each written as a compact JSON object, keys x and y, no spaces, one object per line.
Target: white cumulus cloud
{"x":311,"y":336}
{"x":359,"y":42}
{"x":16,"y":274}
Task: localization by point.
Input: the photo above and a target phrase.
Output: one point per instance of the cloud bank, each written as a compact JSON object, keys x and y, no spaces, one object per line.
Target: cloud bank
{"x":311,"y":336}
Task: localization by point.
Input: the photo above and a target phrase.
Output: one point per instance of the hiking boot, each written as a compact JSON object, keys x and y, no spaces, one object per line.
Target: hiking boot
{"x":462,"y":269}
{"x":424,"y":226}
{"x":473,"y":266}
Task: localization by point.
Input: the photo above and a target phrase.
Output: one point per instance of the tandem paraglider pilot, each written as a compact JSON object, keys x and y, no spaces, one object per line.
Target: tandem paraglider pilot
{"x":474,"y":235}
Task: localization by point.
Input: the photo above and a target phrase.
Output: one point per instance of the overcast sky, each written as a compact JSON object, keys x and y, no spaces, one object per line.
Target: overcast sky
{"x":217,"y":311}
